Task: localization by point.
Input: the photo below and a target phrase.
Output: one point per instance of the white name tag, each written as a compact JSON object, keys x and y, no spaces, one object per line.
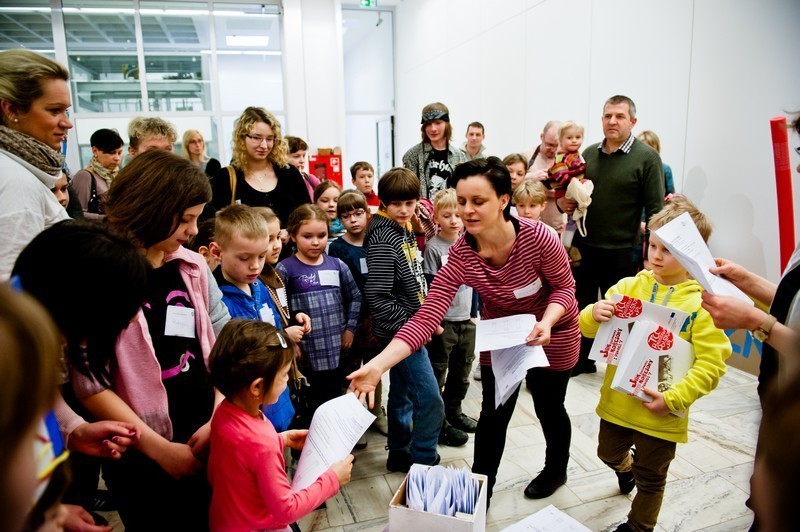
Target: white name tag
{"x":328,"y":277}
{"x":444,"y":260}
{"x":266,"y":315}
{"x":528,"y":290}
{"x":364,"y":268}
{"x":282,"y":297}
{"x":180,"y":322}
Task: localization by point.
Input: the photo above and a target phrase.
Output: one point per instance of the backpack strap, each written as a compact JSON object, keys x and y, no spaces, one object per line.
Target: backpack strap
{"x":232,"y":174}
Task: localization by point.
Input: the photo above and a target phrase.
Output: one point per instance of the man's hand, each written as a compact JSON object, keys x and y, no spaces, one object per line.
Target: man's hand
{"x":731,"y":313}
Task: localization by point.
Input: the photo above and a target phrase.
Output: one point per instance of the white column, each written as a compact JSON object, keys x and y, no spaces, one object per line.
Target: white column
{"x":313,"y":71}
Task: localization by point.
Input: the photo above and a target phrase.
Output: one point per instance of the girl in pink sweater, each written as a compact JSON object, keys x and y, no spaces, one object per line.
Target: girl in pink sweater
{"x":250,"y":365}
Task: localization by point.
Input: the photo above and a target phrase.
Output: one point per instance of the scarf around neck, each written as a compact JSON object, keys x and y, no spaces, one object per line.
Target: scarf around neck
{"x":32,"y":151}
{"x":97,"y":168}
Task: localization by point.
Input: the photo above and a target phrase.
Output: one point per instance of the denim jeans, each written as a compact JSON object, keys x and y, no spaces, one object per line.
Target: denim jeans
{"x":414,"y":398}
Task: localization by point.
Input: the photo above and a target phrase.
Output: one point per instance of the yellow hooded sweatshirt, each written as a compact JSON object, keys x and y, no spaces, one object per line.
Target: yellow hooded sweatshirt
{"x":711,"y":349}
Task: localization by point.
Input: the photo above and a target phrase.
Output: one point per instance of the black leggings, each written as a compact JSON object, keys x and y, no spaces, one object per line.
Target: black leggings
{"x":549,"y":388}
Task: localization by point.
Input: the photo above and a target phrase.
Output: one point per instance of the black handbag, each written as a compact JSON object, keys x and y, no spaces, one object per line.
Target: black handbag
{"x":95,"y":205}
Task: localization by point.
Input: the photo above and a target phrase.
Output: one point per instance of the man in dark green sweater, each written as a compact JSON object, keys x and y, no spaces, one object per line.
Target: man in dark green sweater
{"x":628,"y":177}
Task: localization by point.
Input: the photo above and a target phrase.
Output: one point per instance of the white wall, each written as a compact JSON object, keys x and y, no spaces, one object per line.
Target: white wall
{"x":313,"y":72}
{"x":706,"y":75}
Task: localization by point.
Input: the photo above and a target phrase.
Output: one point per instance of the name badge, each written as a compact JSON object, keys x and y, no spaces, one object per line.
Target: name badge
{"x":266,"y":315}
{"x":364,"y":268}
{"x":328,"y":277}
{"x":528,"y":290}
{"x":180,"y":322}
{"x":444,"y":260}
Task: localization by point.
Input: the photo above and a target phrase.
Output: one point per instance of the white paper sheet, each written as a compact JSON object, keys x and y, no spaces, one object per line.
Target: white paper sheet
{"x":335,"y":429}
{"x":510,"y":366}
{"x":505,"y":332}
{"x":441,"y":490}
{"x":683,"y":240}
{"x":548,"y":519}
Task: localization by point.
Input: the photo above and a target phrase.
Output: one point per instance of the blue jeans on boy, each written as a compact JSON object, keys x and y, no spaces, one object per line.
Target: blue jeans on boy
{"x":414,"y":398}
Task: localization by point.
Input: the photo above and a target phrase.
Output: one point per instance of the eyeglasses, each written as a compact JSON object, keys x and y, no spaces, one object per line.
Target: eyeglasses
{"x":258,"y":139}
{"x":358,"y":213}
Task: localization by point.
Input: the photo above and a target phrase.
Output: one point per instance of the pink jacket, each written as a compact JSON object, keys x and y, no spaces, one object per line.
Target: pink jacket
{"x":135,"y":371}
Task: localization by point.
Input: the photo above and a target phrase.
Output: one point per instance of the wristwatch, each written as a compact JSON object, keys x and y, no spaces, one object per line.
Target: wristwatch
{"x":761,"y":333}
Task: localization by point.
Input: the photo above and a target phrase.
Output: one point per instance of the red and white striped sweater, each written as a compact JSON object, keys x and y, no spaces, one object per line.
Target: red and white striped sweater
{"x":537,"y":256}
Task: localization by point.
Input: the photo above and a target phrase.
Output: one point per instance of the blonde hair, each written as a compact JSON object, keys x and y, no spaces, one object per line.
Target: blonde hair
{"x":278,"y":155}
{"x":21,"y":76}
{"x":30,"y":351}
{"x":267,"y":213}
{"x":305,"y":213}
{"x":676,"y":206}
{"x":445,"y":199}
{"x":651,"y":139}
{"x":142,"y":127}
{"x":187,"y":138}
{"x":239,"y":220}
{"x":530,"y":191}
{"x":566,"y":126}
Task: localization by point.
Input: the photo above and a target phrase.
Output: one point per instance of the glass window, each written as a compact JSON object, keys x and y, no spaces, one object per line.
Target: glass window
{"x":249,"y":56}
{"x":27,"y":24}
{"x":174,"y":37}
{"x":103,"y":64}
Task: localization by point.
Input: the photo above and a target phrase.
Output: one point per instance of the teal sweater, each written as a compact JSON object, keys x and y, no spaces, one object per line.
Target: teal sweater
{"x":624,"y":184}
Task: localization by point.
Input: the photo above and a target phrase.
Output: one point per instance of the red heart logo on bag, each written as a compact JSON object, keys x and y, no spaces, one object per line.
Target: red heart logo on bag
{"x":628,"y":307}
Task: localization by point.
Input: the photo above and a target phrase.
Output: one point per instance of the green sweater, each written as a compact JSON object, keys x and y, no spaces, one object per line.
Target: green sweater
{"x":624,"y":184}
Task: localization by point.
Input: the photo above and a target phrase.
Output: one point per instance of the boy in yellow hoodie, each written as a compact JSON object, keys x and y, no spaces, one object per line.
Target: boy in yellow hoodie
{"x":627,"y":422}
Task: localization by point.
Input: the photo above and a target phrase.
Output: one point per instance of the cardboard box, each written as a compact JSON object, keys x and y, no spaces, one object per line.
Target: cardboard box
{"x":402,"y":518}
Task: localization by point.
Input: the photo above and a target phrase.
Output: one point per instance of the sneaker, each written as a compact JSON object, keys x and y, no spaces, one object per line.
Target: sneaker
{"x":476,"y":373}
{"x":452,"y":437}
{"x":362,"y":443}
{"x":463,"y":422}
{"x":398,"y":461}
{"x":626,"y":482}
{"x":381,"y":423}
{"x":544,"y":485}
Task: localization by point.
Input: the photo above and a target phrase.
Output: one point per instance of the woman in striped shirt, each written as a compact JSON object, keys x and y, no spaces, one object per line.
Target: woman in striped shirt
{"x":518,"y":267}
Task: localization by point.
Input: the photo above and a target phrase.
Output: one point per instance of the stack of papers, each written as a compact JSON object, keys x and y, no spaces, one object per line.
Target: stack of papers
{"x":335,"y":429}
{"x":511,"y":358}
{"x":441,"y":490}
{"x":611,"y":336}
{"x":548,"y":519}
{"x":653,"y":358}
{"x":683,"y":240}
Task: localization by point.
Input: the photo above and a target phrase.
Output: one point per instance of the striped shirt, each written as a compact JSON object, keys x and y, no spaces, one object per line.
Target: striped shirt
{"x":536,"y":274}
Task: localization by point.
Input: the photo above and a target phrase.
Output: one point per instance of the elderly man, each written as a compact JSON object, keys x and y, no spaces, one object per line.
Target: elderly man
{"x":628,"y":177}
{"x":540,"y":159}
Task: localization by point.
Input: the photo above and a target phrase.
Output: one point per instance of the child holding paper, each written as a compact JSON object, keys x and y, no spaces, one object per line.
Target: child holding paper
{"x":250,"y":364}
{"x":626,"y":421}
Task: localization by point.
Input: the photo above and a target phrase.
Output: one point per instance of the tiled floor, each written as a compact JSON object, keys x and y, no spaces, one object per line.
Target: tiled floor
{"x":707,"y":487}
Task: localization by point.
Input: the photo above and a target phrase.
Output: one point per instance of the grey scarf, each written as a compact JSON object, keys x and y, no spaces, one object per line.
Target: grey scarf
{"x":31,"y":150}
